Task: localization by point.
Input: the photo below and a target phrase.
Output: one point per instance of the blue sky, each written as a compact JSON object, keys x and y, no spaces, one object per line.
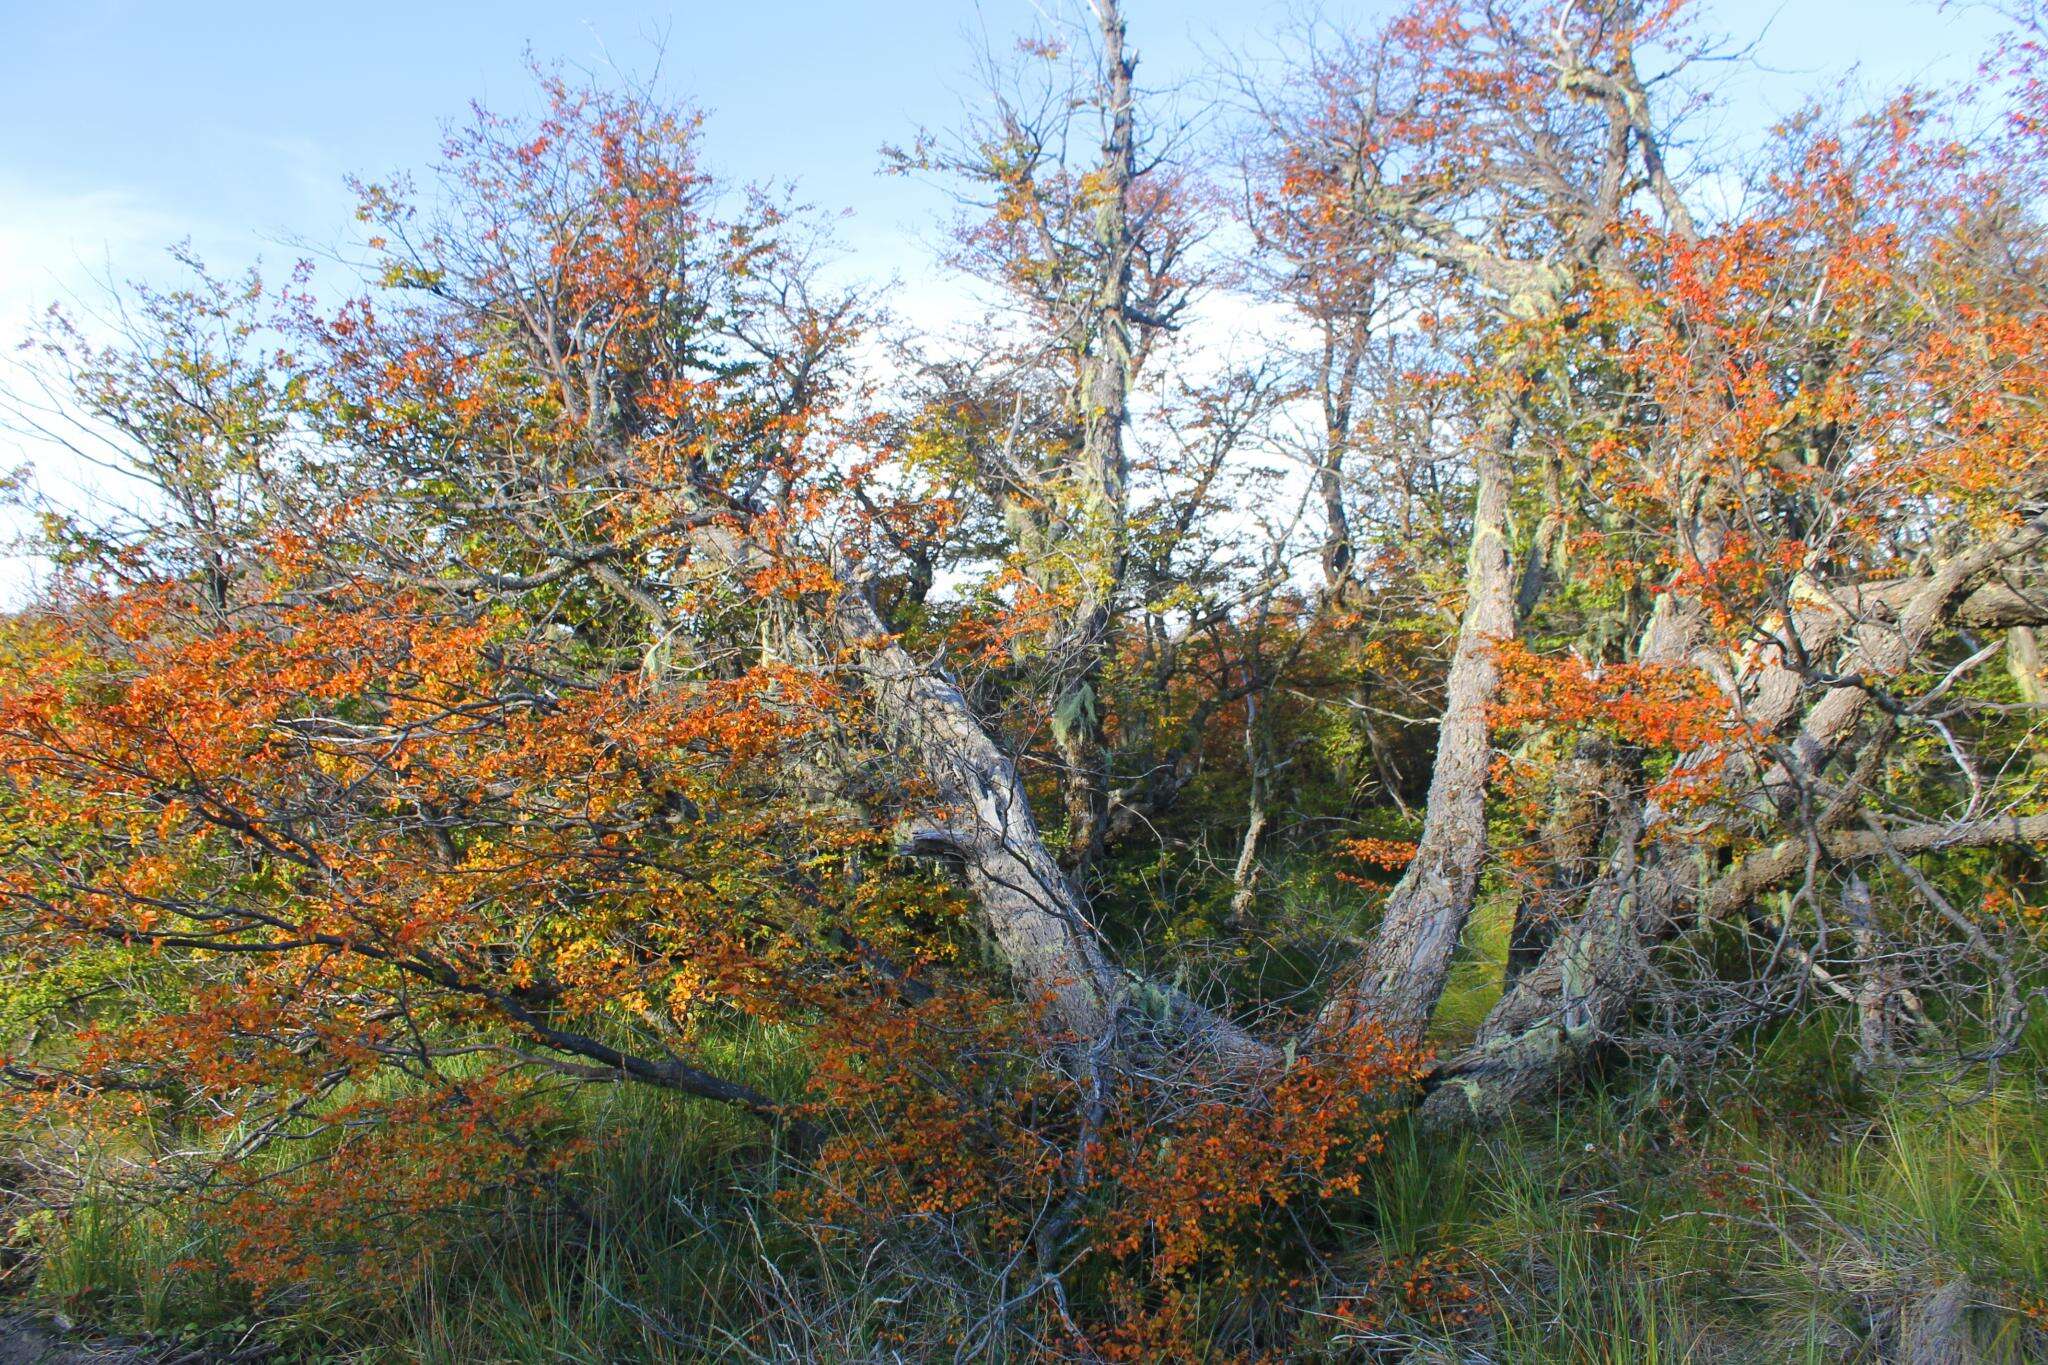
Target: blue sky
{"x":127,"y":124}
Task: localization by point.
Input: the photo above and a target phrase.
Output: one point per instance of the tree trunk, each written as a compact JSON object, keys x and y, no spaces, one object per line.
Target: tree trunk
{"x":1245,"y":876}
{"x":1571,"y":841}
{"x":1877,"y":979}
{"x":1589,"y":974}
{"x":2024,"y":661}
{"x":1403,"y":970}
{"x":981,"y":818}
{"x":1103,"y":390}
{"x":1589,"y":978}
{"x":1337,"y":384}
{"x":1884,"y":646}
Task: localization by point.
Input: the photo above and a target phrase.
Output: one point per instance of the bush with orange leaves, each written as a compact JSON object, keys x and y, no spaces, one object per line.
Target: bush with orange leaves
{"x":1660,"y":711}
{"x":392,"y":1185}
{"x":1161,"y":1211}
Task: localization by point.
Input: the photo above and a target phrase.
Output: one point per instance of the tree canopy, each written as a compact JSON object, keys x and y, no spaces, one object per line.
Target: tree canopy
{"x":600,"y":647}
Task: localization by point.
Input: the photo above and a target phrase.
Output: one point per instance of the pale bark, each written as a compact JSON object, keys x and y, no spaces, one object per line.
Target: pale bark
{"x":1103,"y":475}
{"x":1769,"y":867}
{"x":1877,"y":978}
{"x":1337,"y":386}
{"x":1591,"y":971}
{"x":1586,"y":979}
{"x":2024,"y":662}
{"x":1585,"y":985}
{"x":1571,"y":844}
{"x":1884,"y":644}
{"x":1592,"y":974}
{"x":979,"y":816}
{"x":1575,"y":995}
{"x":1244,"y":878}
{"x":976,"y":812}
{"x":1402,"y":973}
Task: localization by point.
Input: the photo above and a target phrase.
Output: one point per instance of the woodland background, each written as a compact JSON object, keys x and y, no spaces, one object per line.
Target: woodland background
{"x":1427,"y":744}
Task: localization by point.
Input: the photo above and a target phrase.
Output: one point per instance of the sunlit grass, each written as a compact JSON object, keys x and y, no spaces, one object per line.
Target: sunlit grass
{"x":1806,"y":1217}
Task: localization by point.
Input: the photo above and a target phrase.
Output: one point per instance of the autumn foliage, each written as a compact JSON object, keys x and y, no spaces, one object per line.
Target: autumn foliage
{"x":1024,"y":795}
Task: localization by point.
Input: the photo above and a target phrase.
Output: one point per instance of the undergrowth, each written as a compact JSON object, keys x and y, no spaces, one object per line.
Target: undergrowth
{"x":1809,"y":1213}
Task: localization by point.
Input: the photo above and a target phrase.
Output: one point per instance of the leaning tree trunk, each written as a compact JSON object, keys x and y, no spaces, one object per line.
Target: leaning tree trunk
{"x":1883,"y":647}
{"x":1402,"y":973}
{"x":980,"y":817}
{"x":1576,"y":994}
{"x":1570,"y":840}
{"x":978,"y":814}
{"x":1590,"y":977}
{"x":1590,"y":974}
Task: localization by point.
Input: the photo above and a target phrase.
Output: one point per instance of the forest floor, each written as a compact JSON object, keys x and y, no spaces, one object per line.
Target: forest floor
{"x":25,"y":1340}
{"x":33,"y":1339}
{"x":1800,"y":1211}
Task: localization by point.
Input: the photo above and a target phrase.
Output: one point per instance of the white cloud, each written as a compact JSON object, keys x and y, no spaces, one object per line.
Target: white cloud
{"x":54,"y":245}
{"x":60,"y":247}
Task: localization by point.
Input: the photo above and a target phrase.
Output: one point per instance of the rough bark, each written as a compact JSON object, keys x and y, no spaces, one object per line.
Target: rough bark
{"x":980,"y":817}
{"x":1103,"y":391}
{"x":1344,"y":343}
{"x":1877,"y":978}
{"x":1571,"y":842}
{"x":1767,"y":867}
{"x":1244,"y":877}
{"x":2024,"y":661}
{"x":1885,"y":642}
{"x":1572,"y":997}
{"x":1403,"y":969}
{"x":1575,"y":996}
{"x":1591,"y":975}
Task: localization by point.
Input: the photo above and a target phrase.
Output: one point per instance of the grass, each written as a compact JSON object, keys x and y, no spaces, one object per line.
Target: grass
{"x":1474,"y":983}
{"x":1596,"y":1238}
{"x":1604,"y":1240}
{"x":1809,"y":1214}
{"x":1716,"y":1231}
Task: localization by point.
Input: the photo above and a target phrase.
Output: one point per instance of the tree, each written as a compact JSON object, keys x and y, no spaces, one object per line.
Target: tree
{"x":565,"y":656}
{"x":1805,"y":463}
{"x":1094,"y":256}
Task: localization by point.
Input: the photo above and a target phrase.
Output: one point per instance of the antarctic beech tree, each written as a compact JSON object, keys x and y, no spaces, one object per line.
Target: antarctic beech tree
{"x":1844,"y":503}
{"x":566,"y":655}
{"x":1084,"y":231}
{"x":557,"y":604}
{"x":1454,"y":143}
{"x":1332,"y":268}
{"x":721,"y":527}
{"x":453,"y":753}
